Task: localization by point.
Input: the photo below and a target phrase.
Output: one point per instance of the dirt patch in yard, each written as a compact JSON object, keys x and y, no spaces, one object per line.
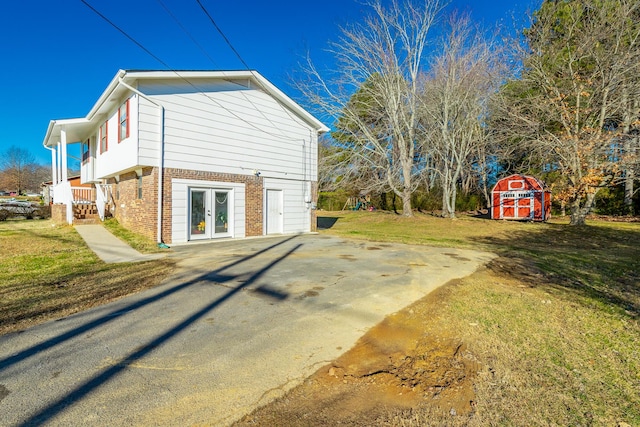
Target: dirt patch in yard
{"x":403,"y":363}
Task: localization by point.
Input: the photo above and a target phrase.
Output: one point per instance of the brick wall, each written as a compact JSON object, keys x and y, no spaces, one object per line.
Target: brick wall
{"x":253,"y":193}
{"x":132,"y":211}
{"x":59,"y":213}
{"x":140,"y":214}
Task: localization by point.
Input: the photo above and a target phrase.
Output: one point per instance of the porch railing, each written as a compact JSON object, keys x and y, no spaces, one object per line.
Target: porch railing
{"x":103,"y":194}
{"x":82,"y":195}
{"x":69,"y":196}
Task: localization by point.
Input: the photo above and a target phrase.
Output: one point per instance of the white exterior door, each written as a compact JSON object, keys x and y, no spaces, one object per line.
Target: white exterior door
{"x":210,"y":212}
{"x":274,"y":212}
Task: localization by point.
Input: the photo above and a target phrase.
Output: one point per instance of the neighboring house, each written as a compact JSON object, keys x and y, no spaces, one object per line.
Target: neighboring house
{"x":193,"y":155}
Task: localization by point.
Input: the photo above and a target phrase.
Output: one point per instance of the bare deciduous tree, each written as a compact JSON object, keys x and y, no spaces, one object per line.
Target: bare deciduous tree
{"x":18,"y":170}
{"x":568,"y":108}
{"x":461,"y":80}
{"x":374,"y":96}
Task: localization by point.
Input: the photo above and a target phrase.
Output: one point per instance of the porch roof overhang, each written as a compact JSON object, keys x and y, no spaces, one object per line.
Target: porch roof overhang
{"x":79,"y":129}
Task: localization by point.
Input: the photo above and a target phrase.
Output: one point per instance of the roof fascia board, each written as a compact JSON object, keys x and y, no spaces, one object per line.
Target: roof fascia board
{"x":131,"y":76}
{"x":106,"y":94}
{"x":61,"y":123}
{"x":252,"y":75}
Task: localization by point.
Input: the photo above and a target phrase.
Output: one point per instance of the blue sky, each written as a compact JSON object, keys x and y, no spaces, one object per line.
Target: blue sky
{"x":58,"y":55}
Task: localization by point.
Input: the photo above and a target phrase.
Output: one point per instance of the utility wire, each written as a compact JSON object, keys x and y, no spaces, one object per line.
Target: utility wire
{"x":213,"y":22}
{"x":246,"y":97}
{"x":222,"y":34}
{"x":125,"y":34}
{"x":187,"y":32}
{"x":198,"y":90}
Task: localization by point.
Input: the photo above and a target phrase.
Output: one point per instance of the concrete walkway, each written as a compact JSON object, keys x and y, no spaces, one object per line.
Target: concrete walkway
{"x":109,"y":248}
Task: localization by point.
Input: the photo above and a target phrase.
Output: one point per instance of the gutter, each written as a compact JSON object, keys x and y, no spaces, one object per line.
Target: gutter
{"x":161,"y":160}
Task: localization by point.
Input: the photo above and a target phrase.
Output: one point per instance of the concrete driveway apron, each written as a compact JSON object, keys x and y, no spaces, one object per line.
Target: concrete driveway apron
{"x":239,"y":324}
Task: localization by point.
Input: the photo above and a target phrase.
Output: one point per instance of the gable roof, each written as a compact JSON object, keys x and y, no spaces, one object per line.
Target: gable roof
{"x":77,"y":128}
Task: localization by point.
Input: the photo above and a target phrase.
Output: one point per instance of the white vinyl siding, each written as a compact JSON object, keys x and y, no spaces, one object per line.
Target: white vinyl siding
{"x":121,"y":155}
{"x":297,"y":213}
{"x":234,"y":131}
{"x":180,"y":206}
{"x":149,"y":133}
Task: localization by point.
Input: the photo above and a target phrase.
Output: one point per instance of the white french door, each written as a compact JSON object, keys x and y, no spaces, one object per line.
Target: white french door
{"x":209,"y":213}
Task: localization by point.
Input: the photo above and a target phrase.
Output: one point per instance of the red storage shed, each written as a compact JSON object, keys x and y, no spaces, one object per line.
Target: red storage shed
{"x":520,"y":197}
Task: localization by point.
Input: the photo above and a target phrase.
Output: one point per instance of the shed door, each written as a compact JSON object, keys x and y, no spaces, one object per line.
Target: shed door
{"x":274,"y":212}
{"x":524,"y":207}
{"x":517,"y":204}
{"x":508,"y":208}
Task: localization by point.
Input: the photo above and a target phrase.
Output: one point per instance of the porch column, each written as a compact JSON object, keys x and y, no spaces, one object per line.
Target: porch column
{"x":58,"y":161}
{"x":63,"y":154}
{"x":54,"y":166}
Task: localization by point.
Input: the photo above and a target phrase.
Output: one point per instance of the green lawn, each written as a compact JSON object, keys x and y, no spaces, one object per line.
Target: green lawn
{"x":553,"y":321}
{"x":47,"y":271}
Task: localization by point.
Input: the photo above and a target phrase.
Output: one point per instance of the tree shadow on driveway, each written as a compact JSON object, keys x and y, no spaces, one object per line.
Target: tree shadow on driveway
{"x":216,"y":276}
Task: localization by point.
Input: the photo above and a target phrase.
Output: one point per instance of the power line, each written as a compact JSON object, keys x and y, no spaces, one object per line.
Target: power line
{"x":213,"y":62}
{"x":213,"y":22}
{"x":187,"y":32}
{"x":198,"y":90}
{"x":222,"y":34}
{"x":125,"y":34}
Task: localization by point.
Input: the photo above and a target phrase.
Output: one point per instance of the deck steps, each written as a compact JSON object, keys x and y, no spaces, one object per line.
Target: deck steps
{"x":87,"y":213}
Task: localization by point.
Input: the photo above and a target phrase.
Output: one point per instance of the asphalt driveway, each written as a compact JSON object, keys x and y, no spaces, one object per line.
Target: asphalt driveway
{"x":240,"y":323}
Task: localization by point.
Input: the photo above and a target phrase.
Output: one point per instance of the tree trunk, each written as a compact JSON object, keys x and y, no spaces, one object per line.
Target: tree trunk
{"x":449,"y":202}
{"x":629,"y":177}
{"x":628,"y":192}
{"x":578,"y":212}
{"x":406,"y":203}
{"x":383,"y":202}
{"x":393,"y":202}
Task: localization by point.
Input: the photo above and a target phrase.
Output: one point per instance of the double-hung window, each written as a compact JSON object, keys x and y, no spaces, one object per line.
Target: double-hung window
{"x":85,"y":151}
{"x":123,"y":120}
{"x":104,"y":140}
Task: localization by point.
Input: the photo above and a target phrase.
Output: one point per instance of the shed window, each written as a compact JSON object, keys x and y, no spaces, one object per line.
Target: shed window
{"x":123,"y":120}
{"x":516,"y":184}
{"x":104,"y":136}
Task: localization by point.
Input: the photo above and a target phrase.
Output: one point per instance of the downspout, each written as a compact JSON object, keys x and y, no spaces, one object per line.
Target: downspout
{"x":54,"y":172}
{"x":54,"y":166}
{"x":161,"y":160}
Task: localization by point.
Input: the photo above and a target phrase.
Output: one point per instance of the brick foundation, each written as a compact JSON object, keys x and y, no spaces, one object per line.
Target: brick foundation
{"x":132,"y":211}
{"x":139,"y":214}
{"x":59,"y":213}
{"x":253,"y":193}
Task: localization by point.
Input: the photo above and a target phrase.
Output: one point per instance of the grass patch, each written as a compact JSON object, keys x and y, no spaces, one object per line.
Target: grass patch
{"x":545,"y":357}
{"x":136,"y":241}
{"x":553,"y":321}
{"x":47,"y":272}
